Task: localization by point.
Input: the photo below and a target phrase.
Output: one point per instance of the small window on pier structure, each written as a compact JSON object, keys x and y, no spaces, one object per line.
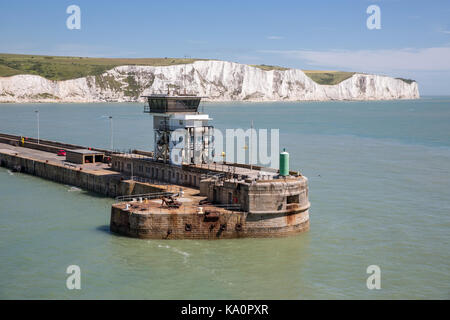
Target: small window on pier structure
{"x":293,"y":199}
{"x":99,"y":158}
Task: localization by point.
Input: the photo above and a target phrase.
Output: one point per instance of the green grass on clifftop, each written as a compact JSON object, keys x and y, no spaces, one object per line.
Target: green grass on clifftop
{"x":268,"y":68}
{"x":318,"y":76}
{"x":64,"y":68}
{"x":408,"y":81}
{"x":328,"y":77}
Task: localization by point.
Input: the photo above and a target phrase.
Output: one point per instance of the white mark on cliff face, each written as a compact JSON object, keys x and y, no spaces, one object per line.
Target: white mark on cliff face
{"x":374,"y":20}
{"x":74,"y":20}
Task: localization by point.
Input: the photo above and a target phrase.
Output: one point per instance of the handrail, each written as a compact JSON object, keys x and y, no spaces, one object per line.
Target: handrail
{"x":147,"y":180}
{"x":213,"y":175}
{"x":144,"y":196}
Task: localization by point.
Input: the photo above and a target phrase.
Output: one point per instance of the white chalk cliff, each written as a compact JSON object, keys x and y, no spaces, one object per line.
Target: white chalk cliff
{"x":214,"y":80}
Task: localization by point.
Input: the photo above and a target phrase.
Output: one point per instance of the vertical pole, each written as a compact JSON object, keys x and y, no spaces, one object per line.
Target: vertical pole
{"x":250,"y":148}
{"x":37,"y":115}
{"x":112,"y":132}
{"x":184,"y":78}
{"x":194,"y":143}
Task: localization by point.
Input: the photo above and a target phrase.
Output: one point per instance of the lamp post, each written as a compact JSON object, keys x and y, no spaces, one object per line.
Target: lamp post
{"x":112,"y":132}
{"x":223,"y":159}
{"x":250,"y":148}
{"x":37,"y":117}
{"x":132,"y":165}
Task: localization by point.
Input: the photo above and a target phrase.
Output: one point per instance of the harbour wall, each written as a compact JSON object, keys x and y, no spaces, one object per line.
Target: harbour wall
{"x":229,"y":225}
{"x":111,"y":185}
{"x":43,"y":145}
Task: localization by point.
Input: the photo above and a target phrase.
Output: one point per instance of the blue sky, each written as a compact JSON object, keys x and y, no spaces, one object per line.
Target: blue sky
{"x":413,"y":42}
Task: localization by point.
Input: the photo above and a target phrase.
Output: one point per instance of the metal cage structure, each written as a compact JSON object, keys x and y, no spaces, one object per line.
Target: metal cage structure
{"x":182,"y":135}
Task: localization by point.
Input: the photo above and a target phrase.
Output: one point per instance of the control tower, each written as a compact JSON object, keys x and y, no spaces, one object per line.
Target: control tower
{"x":182,"y":135}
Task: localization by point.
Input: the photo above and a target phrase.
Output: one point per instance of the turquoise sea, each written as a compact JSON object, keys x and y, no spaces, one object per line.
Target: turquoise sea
{"x":379,"y":178}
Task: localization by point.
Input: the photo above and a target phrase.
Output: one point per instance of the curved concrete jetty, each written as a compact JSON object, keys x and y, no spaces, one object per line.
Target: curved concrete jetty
{"x":274,"y":209}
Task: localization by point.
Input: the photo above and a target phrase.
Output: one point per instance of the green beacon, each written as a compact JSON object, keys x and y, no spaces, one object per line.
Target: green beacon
{"x":284,"y":163}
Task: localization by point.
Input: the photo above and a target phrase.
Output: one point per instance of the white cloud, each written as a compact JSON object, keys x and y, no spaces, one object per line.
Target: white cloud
{"x":430,"y":59}
{"x":275,"y":37}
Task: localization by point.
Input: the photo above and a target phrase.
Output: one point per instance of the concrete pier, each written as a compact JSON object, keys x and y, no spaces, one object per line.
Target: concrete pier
{"x":96,"y":177}
{"x":218,"y":200}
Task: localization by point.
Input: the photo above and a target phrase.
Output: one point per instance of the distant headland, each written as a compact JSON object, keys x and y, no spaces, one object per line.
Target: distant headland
{"x":35,"y":78}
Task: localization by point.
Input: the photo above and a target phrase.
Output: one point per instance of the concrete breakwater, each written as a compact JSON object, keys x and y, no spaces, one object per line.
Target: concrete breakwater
{"x":213,"y":223}
{"x":44,"y":164}
{"x":242,"y":202}
{"x":107,"y":184}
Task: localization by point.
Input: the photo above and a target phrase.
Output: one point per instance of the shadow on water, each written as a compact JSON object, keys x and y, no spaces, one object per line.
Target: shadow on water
{"x":105,"y":229}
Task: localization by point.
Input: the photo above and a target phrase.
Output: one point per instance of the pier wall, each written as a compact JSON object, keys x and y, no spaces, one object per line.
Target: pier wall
{"x":107,"y":184}
{"x":43,"y":145}
{"x":164,"y":172}
{"x":30,"y":145}
{"x":259,"y":197}
{"x":269,"y":206}
{"x":199,"y":226}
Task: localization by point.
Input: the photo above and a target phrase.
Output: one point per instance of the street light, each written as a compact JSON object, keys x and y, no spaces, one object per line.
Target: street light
{"x":37,"y":115}
{"x":250,"y":148}
{"x":112,"y":133}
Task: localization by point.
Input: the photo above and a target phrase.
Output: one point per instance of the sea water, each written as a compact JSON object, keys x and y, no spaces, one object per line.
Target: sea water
{"x":379,"y":179}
